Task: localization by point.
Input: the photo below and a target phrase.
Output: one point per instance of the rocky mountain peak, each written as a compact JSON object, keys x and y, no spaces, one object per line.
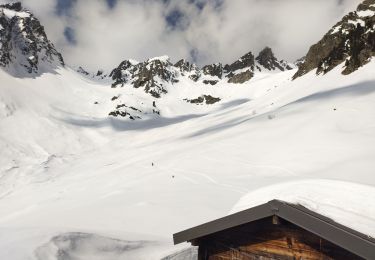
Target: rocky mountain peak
{"x":267,"y":59}
{"x":351,"y":41}
{"x":214,"y":70}
{"x":185,"y":66}
{"x":124,"y":72}
{"x":24,"y":47}
{"x":152,"y":75}
{"x":246,"y":61}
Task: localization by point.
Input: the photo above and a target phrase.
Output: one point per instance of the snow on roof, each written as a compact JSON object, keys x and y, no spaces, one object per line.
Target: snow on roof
{"x":349,"y":204}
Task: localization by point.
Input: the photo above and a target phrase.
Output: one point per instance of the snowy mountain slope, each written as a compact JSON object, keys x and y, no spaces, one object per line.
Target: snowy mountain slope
{"x":57,"y":103}
{"x":79,"y":180}
{"x":313,"y":127}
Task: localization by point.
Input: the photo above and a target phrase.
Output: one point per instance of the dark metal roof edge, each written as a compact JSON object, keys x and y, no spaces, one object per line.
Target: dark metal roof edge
{"x":330,"y":221}
{"x":311,"y":221}
{"x":236,"y":219}
{"x":328,"y":229}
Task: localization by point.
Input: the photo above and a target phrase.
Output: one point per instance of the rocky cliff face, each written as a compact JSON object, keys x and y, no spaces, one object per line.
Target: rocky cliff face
{"x":267,"y":59}
{"x":152,"y":75}
{"x":352,"y":40}
{"x":241,"y":70}
{"x":98,"y":75}
{"x":214,"y":70}
{"x":24,"y":47}
{"x":246,"y":61}
{"x":189,"y":69}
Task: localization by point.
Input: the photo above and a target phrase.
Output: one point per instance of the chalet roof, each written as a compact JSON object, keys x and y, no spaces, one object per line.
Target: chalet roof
{"x":349,"y":239}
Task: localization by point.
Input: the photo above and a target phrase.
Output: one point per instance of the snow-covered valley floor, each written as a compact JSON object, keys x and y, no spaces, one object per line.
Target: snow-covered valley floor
{"x":74,"y":180}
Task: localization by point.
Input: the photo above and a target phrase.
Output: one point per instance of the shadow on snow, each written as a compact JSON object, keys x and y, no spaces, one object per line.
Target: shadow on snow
{"x":356,"y":90}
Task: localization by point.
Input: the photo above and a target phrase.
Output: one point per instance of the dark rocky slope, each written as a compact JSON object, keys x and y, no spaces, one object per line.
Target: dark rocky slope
{"x":152,"y":75}
{"x":24,"y":47}
{"x":352,"y":40}
{"x":267,"y":59}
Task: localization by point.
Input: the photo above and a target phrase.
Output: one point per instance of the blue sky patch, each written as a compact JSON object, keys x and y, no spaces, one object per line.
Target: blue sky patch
{"x":174,"y":18}
{"x":63,"y":7}
{"x":70,"y":35}
{"x":111,"y":3}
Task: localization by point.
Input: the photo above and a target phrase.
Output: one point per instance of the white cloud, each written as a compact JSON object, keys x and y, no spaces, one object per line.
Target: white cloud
{"x":137,"y":29}
{"x":289,"y":27}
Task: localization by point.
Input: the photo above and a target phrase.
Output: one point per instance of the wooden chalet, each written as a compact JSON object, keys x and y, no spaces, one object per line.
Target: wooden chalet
{"x":277,"y":230}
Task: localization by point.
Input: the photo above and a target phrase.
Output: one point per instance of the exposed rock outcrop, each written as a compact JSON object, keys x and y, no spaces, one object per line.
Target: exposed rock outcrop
{"x":187,"y":68}
{"x":267,"y":59}
{"x":24,"y":47}
{"x":246,"y":61}
{"x":83,"y":71}
{"x":300,"y":61}
{"x":210,"y":82}
{"x":152,"y":75}
{"x":241,"y":77}
{"x":133,"y":112}
{"x":124,"y":72}
{"x":99,"y":75}
{"x":207,"y":99}
{"x":244,"y":68}
{"x":352,"y":40}
{"x":215,"y":70}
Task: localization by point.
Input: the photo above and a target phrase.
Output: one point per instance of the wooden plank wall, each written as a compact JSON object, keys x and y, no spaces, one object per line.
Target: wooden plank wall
{"x":264,"y":241}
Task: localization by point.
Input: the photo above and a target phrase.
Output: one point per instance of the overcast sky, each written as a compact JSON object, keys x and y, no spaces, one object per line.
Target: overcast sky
{"x":102,"y":33}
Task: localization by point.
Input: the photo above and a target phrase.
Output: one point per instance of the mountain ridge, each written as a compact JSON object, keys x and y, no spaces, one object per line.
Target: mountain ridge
{"x":153,"y":73}
{"x":25,"y":47}
{"x":26,"y":50}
